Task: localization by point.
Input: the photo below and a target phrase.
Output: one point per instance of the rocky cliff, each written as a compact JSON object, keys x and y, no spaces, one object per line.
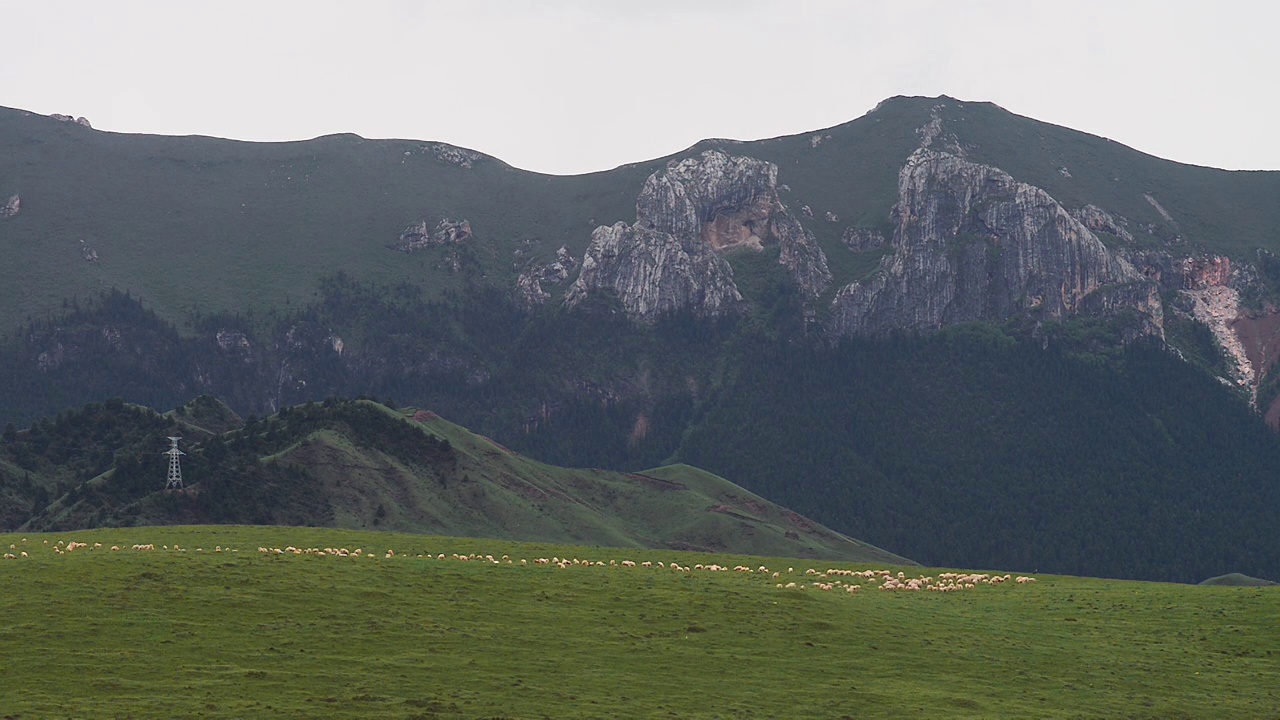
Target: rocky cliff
{"x":687,"y":217}
{"x":973,"y":244}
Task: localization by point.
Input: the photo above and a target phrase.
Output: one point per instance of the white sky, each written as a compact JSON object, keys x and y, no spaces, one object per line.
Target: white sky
{"x":565,"y":86}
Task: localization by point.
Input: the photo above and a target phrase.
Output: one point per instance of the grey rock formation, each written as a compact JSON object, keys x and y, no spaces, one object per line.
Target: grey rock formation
{"x":232,"y":340}
{"x":686,"y":216}
{"x":655,"y":272}
{"x":800,"y":254}
{"x":862,"y":239}
{"x":1099,"y":220}
{"x":454,"y":155}
{"x":420,"y":236}
{"x":67,"y":118}
{"x":972,"y":244}
{"x":531,"y":284}
{"x":11,"y":207}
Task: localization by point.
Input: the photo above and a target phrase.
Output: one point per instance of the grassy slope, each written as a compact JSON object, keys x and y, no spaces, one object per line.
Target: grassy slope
{"x":369,"y":466}
{"x":1232,"y":212}
{"x":168,"y":634}
{"x":195,"y":223}
{"x":506,"y":495}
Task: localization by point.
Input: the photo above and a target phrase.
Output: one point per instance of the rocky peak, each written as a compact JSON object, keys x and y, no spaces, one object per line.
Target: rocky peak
{"x":11,"y":207}
{"x":67,"y":118}
{"x":973,"y":244}
{"x":687,"y":215}
{"x":723,"y":200}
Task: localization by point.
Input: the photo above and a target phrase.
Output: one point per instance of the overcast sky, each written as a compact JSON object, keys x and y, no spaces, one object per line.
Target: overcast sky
{"x":567,"y":86}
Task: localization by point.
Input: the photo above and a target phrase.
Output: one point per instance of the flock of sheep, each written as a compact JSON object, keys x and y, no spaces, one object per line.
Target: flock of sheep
{"x":824,"y":580}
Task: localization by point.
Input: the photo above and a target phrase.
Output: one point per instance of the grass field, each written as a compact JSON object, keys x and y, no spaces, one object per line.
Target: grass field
{"x":238,"y":633}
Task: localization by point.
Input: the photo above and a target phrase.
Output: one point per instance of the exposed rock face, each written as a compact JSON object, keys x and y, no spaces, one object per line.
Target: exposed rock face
{"x":972,"y":244}
{"x":686,"y":216}
{"x":655,"y":272}
{"x":801,"y":255}
{"x":530,"y":290}
{"x":454,"y":155}
{"x":1099,"y":220}
{"x":420,"y":236}
{"x":1160,"y":209}
{"x":1207,"y":289}
{"x":1218,"y":307}
{"x":229,"y":339}
{"x":862,"y":239}
{"x":11,"y":207}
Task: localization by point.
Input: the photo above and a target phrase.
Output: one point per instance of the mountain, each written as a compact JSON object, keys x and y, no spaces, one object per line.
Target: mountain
{"x":359,"y":464}
{"x":897,"y":326}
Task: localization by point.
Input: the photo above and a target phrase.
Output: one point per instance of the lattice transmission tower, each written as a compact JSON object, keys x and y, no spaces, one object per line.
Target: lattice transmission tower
{"x":175,"y":467}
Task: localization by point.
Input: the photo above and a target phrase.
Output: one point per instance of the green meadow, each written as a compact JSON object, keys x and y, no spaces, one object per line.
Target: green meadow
{"x":218,"y":629}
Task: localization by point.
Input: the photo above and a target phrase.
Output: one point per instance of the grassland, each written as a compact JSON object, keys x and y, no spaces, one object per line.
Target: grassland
{"x":178,"y":634}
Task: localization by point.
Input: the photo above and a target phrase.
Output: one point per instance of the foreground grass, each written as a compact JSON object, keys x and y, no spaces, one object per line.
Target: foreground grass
{"x":165,"y":634}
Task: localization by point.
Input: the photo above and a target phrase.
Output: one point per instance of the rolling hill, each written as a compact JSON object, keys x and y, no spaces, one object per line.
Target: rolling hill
{"x":359,"y":464}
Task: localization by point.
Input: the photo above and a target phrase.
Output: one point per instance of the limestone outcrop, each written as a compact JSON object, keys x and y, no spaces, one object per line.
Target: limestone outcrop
{"x":421,"y":235}
{"x":687,"y":217}
{"x":1099,"y":220}
{"x":863,"y":239}
{"x":67,"y":118}
{"x":454,"y":155}
{"x":973,"y":244}
{"x":531,"y":284}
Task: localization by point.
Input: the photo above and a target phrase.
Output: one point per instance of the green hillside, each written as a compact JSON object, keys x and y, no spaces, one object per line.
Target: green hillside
{"x":1238,"y":580}
{"x":362,"y":465}
{"x":201,"y":225}
{"x":972,"y":446}
{"x":1221,"y":211}
{"x":217,"y":629}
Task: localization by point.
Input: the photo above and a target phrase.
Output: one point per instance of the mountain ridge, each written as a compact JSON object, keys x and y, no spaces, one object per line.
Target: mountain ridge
{"x":270,"y":276}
